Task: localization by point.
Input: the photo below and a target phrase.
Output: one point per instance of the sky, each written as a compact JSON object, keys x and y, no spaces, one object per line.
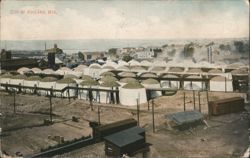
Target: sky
{"x":127,"y":19}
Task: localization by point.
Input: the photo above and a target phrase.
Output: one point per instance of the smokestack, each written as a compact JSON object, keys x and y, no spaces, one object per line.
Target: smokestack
{"x":209,"y":54}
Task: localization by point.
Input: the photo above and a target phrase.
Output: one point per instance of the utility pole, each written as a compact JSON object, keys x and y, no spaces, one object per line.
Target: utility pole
{"x":50,"y":103}
{"x":184,"y":101}
{"x":68,"y":94}
{"x":99,"y":118}
{"x":194,"y":98}
{"x":14,"y":94}
{"x":199,"y":100}
{"x":209,"y":111}
{"x":148,"y":105}
{"x":153,"y":115}
{"x":90,"y":99}
{"x":138,"y":112}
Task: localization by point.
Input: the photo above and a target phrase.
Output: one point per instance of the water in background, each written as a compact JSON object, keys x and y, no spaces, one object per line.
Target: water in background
{"x":73,"y":46}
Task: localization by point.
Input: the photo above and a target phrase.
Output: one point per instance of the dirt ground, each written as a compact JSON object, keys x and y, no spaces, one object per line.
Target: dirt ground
{"x":225,"y":136}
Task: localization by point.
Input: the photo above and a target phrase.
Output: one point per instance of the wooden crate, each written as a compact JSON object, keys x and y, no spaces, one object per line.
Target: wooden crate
{"x":226,"y":106}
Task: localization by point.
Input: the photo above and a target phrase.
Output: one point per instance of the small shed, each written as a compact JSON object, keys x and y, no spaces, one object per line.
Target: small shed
{"x":130,"y":142}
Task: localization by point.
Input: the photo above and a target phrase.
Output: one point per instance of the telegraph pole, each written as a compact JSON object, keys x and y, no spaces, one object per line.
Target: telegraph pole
{"x":199,"y":100}
{"x":99,"y":118}
{"x":138,"y":112}
{"x":209,"y":111}
{"x":184,"y":101}
{"x":50,"y":103}
{"x":153,"y":115}
{"x":194,"y":98}
{"x":14,"y":94}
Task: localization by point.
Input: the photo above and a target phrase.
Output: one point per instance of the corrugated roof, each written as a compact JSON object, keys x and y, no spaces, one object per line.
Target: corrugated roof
{"x":150,"y":81}
{"x":133,"y":85}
